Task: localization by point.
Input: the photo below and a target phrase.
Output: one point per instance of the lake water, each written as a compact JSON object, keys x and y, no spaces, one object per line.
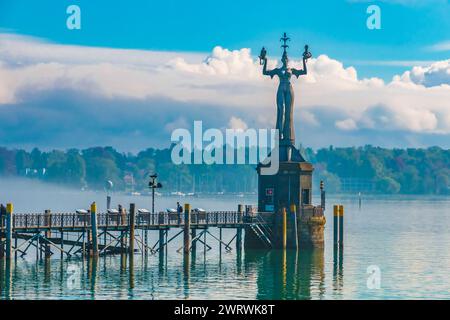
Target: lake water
{"x":406,"y":238}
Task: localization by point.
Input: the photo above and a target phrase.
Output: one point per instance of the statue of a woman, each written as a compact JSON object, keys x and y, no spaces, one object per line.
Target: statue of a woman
{"x":285,"y":93}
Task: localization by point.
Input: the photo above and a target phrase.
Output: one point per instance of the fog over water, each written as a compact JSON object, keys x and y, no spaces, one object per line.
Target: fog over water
{"x":36,"y":196}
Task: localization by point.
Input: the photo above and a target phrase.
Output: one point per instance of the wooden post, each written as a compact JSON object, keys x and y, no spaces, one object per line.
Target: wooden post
{"x":15,"y":246}
{"x":9,"y":230}
{"x":322,"y":195}
{"x":161,"y":244}
{"x":335,"y":225}
{"x":62,"y":243}
{"x":187,"y":240}
{"x":194,"y":244}
{"x":220,"y":243}
{"x":47,"y":233}
{"x":2,"y":247}
{"x":94,"y":231}
{"x":341,"y":226}
{"x":132,"y":228}
{"x":284,"y":235}
{"x":187,"y":228}
{"x":294,"y":219}
{"x":239,"y":229}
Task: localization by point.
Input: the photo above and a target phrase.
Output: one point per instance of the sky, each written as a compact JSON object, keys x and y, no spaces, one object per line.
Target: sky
{"x":136,"y":70}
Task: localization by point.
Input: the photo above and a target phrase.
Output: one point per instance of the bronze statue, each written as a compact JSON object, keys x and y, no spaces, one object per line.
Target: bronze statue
{"x":285,"y":94}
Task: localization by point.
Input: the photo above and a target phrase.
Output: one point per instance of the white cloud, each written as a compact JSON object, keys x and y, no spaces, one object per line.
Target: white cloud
{"x":185,"y":87}
{"x":441,"y":46}
{"x":437,"y":74}
{"x":347,"y":124}
{"x":237,"y":124}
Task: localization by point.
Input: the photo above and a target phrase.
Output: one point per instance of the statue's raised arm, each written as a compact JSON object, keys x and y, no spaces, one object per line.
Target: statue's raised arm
{"x":304,"y":71}
{"x":263,"y":61}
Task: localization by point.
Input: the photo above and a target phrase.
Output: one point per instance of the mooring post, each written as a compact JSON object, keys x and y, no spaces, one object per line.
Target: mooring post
{"x":15,"y":246}
{"x":341,"y":226}
{"x":62,"y":243}
{"x":335,"y":225}
{"x":359,"y":200}
{"x":239,"y":228}
{"x":220,"y":243}
{"x":187,"y":239}
{"x":132,"y":228}
{"x":161,"y":244}
{"x":94,"y":232}
{"x":322,"y":195}
{"x":2,"y":217}
{"x":194,"y":243}
{"x":47,"y":233}
{"x":294,"y":219}
{"x":9,"y":230}
{"x":187,"y":228}
{"x":284,"y":228}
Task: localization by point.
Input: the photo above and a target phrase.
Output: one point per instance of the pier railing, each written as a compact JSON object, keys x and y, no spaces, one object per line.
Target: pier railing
{"x":24,"y":221}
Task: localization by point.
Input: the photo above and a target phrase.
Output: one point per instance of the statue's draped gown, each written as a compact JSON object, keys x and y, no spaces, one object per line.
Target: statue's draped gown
{"x":285,"y":105}
{"x":285,"y":101}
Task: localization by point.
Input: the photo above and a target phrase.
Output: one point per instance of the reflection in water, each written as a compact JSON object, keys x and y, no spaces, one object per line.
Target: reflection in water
{"x":269,"y":275}
{"x":381,"y":234}
{"x":338,"y":269}
{"x":288,"y":274}
{"x":92,"y":274}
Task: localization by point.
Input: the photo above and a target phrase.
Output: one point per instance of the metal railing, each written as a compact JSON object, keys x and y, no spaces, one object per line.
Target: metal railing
{"x":106,"y":220}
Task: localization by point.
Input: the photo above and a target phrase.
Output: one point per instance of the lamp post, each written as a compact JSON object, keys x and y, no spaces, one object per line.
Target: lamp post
{"x":153,"y":184}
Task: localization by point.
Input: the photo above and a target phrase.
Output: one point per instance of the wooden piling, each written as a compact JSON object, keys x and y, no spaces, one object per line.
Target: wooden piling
{"x":132,"y":226}
{"x":161,"y":244}
{"x":47,"y":233}
{"x":8,"y":231}
{"x":187,"y":228}
{"x":341,"y":226}
{"x":15,"y":246}
{"x":322,"y":195}
{"x":220,"y":243}
{"x":294,"y":221}
{"x":2,"y":217}
{"x":94,"y":231}
{"x":239,"y":229}
{"x":284,"y":235}
{"x":194,"y":243}
{"x":335,"y":225}
{"x":2,"y":248}
{"x":62,"y":243}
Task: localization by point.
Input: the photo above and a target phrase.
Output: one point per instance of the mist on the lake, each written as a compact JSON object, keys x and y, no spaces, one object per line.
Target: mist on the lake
{"x":30,"y":196}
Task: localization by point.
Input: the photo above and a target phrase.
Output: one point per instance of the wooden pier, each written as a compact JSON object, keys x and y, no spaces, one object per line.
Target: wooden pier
{"x":91,"y":233}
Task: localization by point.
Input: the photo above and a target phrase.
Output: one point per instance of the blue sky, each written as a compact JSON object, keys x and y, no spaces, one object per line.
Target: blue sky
{"x":337,"y":28}
{"x":139,"y":69}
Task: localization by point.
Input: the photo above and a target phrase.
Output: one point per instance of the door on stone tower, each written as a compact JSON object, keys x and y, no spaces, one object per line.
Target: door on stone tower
{"x":305,"y":196}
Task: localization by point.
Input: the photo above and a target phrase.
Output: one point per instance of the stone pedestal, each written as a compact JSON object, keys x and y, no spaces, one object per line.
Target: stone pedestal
{"x":292,"y":185}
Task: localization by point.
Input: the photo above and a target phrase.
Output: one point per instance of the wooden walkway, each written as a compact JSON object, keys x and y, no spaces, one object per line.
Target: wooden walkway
{"x":91,"y":233}
{"x":35,"y":222}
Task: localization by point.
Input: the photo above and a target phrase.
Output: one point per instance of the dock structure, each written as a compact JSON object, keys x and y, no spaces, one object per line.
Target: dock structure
{"x":88,"y":233}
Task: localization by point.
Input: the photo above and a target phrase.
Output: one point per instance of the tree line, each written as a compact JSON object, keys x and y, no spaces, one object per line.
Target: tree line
{"x":365,"y":169}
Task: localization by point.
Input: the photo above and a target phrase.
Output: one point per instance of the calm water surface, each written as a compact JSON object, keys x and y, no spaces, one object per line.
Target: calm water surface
{"x":407,"y":238}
